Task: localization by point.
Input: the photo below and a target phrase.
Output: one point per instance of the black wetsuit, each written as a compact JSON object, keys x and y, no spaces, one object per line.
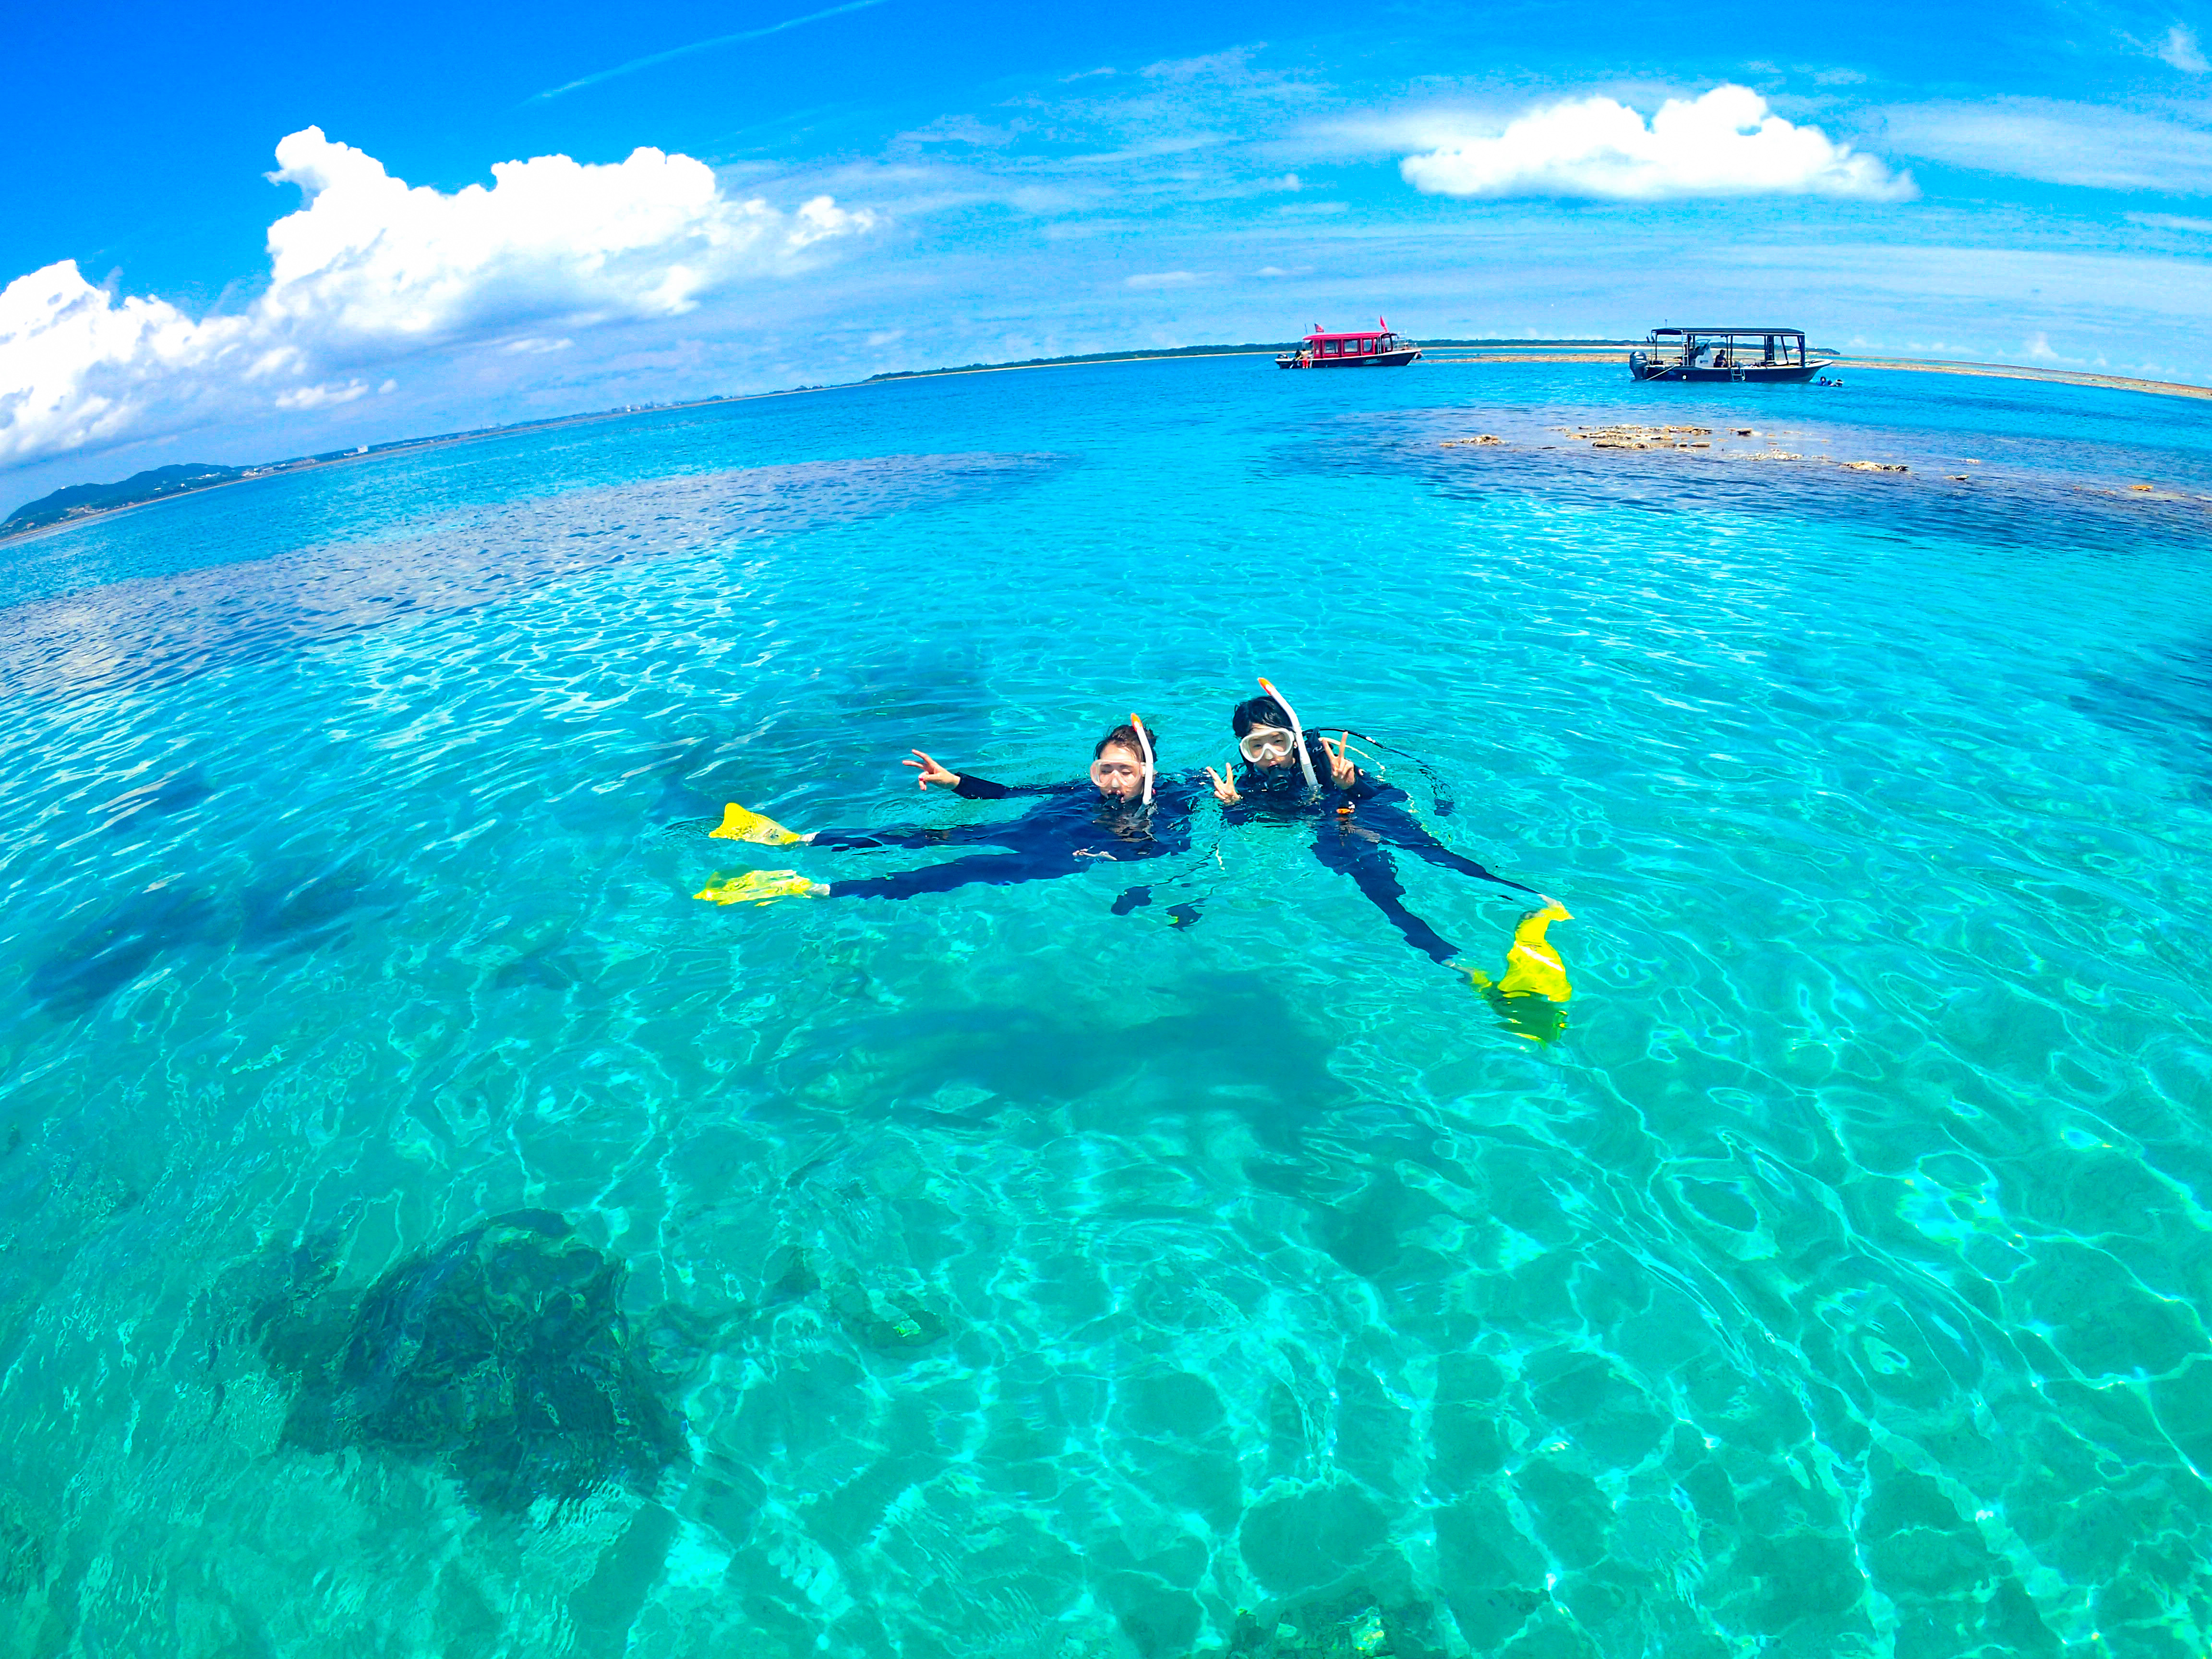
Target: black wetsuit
{"x":1354,"y":842}
{"x":1074,"y":825}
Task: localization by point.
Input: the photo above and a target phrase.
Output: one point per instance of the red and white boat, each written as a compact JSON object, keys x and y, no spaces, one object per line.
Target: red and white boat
{"x":1377,"y":348}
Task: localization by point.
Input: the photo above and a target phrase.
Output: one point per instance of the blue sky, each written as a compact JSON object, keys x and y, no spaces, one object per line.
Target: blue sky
{"x":267,"y":232}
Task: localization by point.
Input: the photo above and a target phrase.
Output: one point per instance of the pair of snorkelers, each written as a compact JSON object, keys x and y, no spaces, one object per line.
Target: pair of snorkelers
{"x":1125,"y":813}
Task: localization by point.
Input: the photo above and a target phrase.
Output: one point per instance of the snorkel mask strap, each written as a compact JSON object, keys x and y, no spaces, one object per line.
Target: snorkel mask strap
{"x":1297,"y":732}
{"x":1144,"y":742}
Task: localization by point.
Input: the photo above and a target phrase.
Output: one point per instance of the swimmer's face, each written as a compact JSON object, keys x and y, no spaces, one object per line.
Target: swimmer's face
{"x":1269,"y":747}
{"x":1119,"y":772}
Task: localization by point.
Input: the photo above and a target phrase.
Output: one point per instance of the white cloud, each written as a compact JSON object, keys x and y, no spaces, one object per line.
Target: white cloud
{"x":1726,"y":142}
{"x":2058,"y":143}
{"x":2171,"y":221}
{"x":369,"y":270}
{"x":2181,"y":50}
{"x":1165,"y":279}
{"x":321,"y":396}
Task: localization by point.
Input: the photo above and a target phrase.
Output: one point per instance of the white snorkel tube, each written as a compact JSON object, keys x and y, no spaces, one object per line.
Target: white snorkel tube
{"x":1297,"y":732}
{"x":1144,"y":742}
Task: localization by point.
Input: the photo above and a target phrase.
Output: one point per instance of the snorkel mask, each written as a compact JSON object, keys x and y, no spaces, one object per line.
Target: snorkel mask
{"x":1131,"y":779}
{"x":1110,"y":775}
{"x":1297,"y":734}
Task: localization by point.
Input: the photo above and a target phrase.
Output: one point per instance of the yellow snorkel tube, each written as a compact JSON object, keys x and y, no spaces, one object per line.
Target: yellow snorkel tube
{"x":1144,"y":742}
{"x":1297,"y":732}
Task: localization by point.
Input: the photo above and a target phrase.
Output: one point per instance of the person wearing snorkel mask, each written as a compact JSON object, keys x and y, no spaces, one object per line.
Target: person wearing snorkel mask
{"x":1289,"y":773}
{"x":1123,"y":813}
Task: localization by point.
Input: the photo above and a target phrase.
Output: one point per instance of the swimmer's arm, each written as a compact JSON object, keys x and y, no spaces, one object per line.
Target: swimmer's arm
{"x":969,"y":787}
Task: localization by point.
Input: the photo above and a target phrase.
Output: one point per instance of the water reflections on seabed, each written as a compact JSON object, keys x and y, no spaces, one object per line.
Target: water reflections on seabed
{"x":425,"y":1225}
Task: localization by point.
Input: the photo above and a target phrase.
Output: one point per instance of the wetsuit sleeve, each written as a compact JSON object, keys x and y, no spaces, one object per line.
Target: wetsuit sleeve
{"x":971,"y":787}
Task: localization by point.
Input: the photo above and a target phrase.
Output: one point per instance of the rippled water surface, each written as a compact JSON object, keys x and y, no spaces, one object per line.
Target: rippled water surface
{"x":425,"y":1229}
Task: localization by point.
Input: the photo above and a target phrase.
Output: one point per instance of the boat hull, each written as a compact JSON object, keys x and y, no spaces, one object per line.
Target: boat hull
{"x":1369,"y":360}
{"x":1750,"y":375}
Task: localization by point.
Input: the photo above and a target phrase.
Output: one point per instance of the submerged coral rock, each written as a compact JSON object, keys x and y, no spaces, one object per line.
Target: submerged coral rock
{"x":1355,"y":1624}
{"x":503,"y":1356}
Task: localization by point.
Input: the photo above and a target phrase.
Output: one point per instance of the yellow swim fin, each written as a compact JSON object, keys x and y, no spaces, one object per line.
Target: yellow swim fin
{"x":1533,"y":967}
{"x":759,"y":887}
{"x":1528,"y":998}
{"x":743,"y":823}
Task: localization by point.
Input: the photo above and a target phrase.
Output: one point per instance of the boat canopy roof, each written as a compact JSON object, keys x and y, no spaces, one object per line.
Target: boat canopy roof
{"x":1671,"y":333}
{"x":1356,"y":334}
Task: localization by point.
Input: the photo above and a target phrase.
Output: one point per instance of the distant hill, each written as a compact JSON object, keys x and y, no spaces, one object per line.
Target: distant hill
{"x":78,"y":499}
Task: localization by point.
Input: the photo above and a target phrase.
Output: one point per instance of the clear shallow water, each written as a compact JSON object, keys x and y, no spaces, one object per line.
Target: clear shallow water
{"x":992,"y":1275}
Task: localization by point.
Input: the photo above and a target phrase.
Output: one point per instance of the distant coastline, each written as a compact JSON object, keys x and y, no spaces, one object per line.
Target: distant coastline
{"x":168,"y":483}
{"x":78,"y":504}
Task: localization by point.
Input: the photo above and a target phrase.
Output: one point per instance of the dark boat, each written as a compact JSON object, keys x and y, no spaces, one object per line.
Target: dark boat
{"x":1723,"y":354}
{"x":1376,"y":349}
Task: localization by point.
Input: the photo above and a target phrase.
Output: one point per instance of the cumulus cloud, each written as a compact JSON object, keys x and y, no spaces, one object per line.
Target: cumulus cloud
{"x":2058,"y":142}
{"x":370,"y":269}
{"x":1726,"y":142}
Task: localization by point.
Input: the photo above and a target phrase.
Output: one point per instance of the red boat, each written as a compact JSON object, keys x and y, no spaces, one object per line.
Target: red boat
{"x":1379,"y":348}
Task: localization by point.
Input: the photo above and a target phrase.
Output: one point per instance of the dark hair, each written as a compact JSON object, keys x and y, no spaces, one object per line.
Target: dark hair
{"x":1125,"y":736}
{"x":1260,"y":711}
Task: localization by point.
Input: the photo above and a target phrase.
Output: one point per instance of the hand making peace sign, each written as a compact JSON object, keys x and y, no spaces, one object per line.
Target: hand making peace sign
{"x":1342,"y":771}
{"x":932,"y":772}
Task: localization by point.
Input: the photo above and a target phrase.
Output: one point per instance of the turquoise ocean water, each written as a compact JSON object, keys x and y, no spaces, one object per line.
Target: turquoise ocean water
{"x":426,"y":1229}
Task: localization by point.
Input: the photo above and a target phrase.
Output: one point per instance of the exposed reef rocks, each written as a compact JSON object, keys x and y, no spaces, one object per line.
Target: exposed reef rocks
{"x":1643,"y":437}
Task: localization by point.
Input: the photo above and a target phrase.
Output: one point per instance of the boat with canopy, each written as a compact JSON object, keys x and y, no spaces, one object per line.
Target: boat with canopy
{"x":1375,"y":348}
{"x":1723,"y":354}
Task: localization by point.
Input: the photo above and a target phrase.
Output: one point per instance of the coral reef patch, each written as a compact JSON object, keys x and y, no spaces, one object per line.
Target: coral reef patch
{"x":503,"y":1357}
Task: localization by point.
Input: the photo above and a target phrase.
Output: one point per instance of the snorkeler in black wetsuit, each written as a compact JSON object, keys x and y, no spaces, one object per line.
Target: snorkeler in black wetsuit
{"x":1106,"y":819}
{"x":1356,"y":818}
